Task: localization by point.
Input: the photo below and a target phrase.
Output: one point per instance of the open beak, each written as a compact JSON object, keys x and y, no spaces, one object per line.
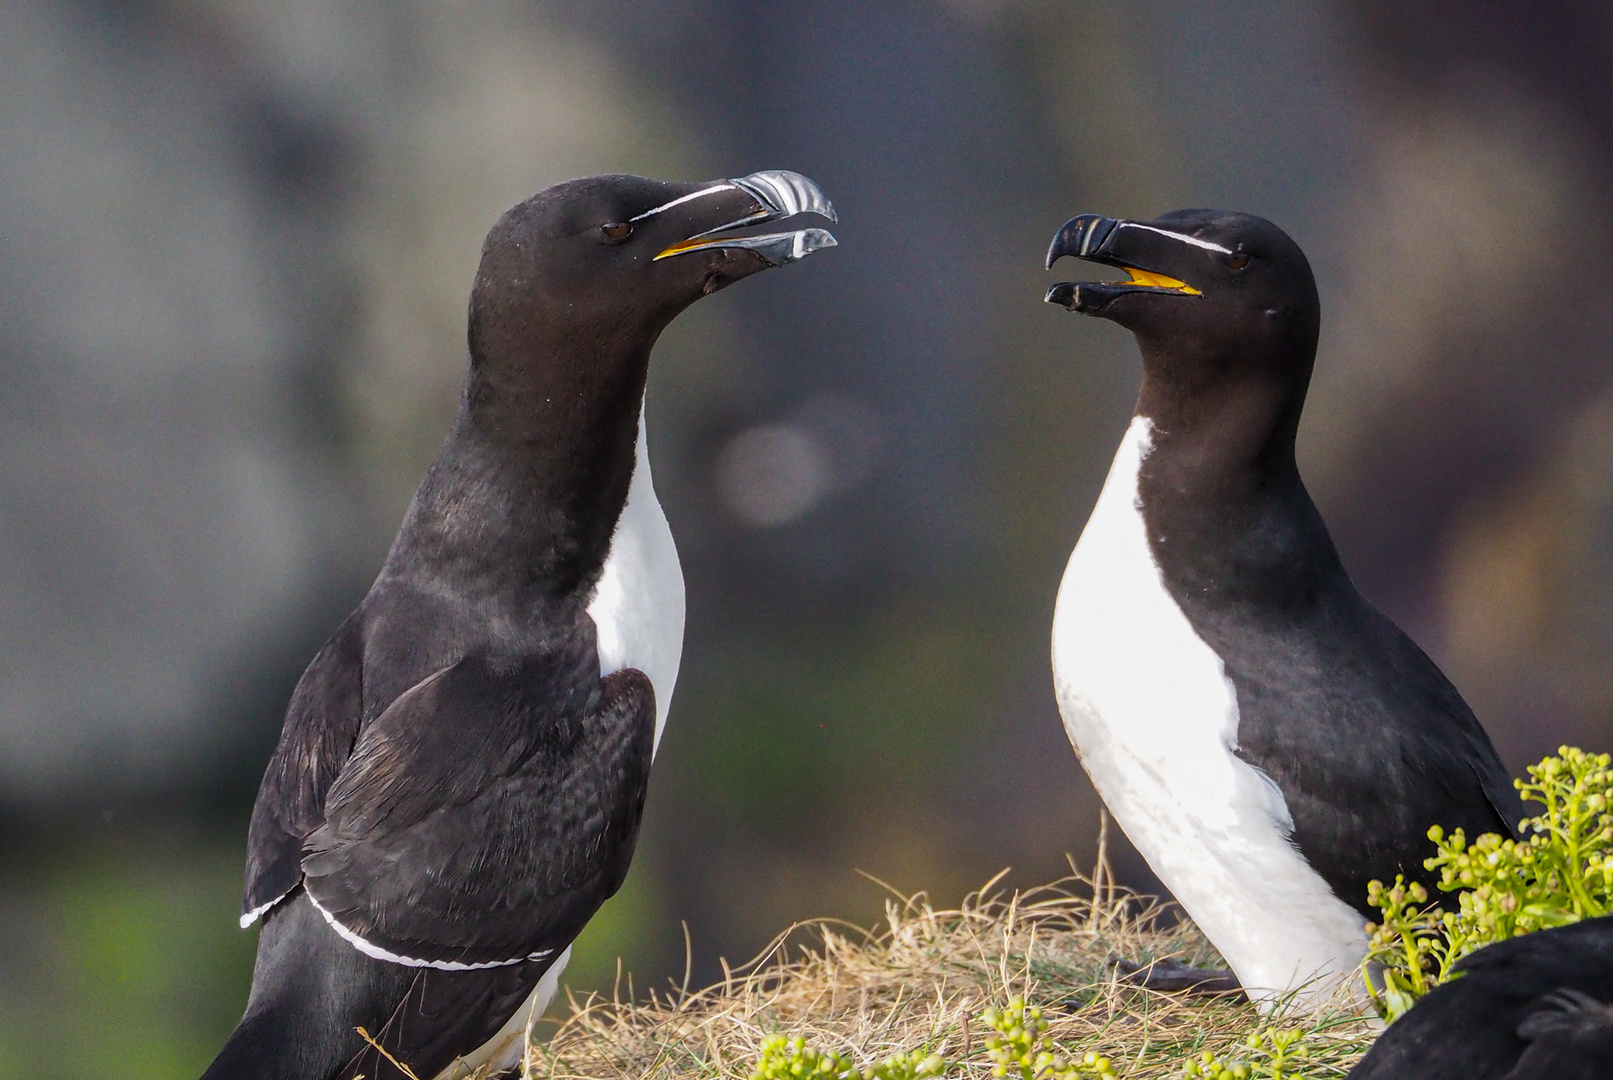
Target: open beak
{"x":779,"y":193}
{"x":1092,"y":237}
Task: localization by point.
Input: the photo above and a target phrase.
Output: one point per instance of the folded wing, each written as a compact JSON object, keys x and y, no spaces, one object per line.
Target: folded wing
{"x":488,"y":812}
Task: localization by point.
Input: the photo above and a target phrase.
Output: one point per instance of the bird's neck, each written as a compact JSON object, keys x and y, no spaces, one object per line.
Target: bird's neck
{"x":1221,"y":442}
{"x":1221,"y":496}
{"x":522,"y":501}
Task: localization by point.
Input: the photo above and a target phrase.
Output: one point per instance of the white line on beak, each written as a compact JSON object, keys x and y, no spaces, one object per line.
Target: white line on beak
{"x":681,"y":199}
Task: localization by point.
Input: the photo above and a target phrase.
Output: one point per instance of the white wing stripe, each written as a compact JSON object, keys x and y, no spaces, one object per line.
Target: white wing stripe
{"x":378,"y":953}
{"x":252,"y":916}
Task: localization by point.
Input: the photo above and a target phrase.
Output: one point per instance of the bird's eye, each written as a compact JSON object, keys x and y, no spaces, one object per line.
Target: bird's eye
{"x":616,"y":231}
{"x":1237,"y":260}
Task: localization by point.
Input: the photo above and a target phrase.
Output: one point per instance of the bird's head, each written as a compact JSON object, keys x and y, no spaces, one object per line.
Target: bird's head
{"x":1210,"y":294}
{"x":574,"y":287}
{"x":612,"y":259}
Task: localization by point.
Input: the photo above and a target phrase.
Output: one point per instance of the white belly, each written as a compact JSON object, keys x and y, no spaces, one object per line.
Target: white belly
{"x":638,"y":607}
{"x":1154,"y":719}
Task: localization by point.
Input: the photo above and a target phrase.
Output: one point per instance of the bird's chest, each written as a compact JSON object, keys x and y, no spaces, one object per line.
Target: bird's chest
{"x":1154,"y":717}
{"x":638,"y":606}
{"x":1139,"y":689}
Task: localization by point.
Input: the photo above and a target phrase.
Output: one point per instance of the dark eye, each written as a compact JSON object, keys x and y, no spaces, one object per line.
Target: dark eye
{"x":616,"y":231}
{"x":1237,"y":260}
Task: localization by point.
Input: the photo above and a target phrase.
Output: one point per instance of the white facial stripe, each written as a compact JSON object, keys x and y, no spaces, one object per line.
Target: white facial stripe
{"x":1183,"y":237}
{"x":681,"y":199}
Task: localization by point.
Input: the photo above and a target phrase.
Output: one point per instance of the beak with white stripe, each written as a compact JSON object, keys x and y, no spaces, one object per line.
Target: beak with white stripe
{"x":1150,"y":254}
{"x":776,"y":194}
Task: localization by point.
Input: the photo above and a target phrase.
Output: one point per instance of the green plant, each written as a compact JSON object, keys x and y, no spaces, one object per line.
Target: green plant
{"x":1561,"y":871}
{"x":1272,"y":1056}
{"x":794,"y":1059}
{"x":1410,"y":944}
{"x":1020,"y":1047}
{"x":909,"y":1066}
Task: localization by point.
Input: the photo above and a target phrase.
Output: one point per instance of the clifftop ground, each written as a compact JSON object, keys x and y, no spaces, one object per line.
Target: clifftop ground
{"x":921,"y":982}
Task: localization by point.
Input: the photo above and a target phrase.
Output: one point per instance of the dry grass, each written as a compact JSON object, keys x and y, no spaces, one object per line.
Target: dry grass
{"x":921,"y":981}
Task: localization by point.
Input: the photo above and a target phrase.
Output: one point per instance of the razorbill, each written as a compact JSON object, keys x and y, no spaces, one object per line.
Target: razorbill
{"x":462,"y":769}
{"x":1269,"y":741}
{"x":1537,"y":1007}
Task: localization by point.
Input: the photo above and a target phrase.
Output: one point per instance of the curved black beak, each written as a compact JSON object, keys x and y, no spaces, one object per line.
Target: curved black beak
{"x":1082,"y":236}
{"x":1065,"y":294}
{"x":1095,"y":238}
{"x":778,"y":193}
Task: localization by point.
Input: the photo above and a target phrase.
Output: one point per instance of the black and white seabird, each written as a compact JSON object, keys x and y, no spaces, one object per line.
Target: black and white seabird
{"x":1537,"y":1007}
{"x":462,"y":770}
{"x":1269,"y":741}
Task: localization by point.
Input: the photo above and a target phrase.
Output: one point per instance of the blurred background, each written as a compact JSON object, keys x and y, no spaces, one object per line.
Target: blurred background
{"x":236,"y":240}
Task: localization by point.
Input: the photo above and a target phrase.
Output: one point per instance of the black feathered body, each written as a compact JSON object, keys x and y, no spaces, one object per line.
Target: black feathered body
{"x":480,"y":817}
{"x":1537,"y":1007}
{"x":456,"y":791}
{"x":1368,"y":741}
{"x":457,"y":787}
{"x":1266,"y":737}
{"x":463,"y":767}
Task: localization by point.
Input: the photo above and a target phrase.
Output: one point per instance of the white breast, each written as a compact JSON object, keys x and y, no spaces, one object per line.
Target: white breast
{"x":1155,"y":721}
{"x":638,"y":606}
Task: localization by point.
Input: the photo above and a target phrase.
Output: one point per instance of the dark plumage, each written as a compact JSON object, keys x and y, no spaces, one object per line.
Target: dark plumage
{"x":1368,"y":744}
{"x":459,"y":780}
{"x":1537,"y":1007}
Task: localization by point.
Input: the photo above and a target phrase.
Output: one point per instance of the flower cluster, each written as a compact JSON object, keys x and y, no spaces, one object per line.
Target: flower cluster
{"x":793,"y":1059}
{"x":1410,"y":943}
{"x":1020,"y":1047}
{"x":1561,"y":871}
{"x":1272,"y":1054}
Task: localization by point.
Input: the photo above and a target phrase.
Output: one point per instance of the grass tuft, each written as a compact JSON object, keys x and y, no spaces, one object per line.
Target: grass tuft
{"x":857,"y":1002}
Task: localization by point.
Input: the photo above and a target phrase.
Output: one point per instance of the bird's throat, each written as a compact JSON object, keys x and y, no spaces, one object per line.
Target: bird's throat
{"x":525,"y":494}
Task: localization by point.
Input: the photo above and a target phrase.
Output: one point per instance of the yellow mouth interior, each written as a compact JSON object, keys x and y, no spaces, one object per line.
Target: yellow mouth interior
{"x":1149,"y":279}
{"x":709,"y":239}
{"x":687,"y":245}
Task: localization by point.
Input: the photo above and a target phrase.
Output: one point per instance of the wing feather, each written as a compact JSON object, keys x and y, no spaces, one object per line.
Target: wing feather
{"x":486,"y":814}
{"x":321,"y":726}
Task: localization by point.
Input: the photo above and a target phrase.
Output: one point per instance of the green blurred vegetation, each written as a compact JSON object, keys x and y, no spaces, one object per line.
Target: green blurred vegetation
{"x":808,"y":722}
{"x":137,"y":968}
{"x":631,"y":923}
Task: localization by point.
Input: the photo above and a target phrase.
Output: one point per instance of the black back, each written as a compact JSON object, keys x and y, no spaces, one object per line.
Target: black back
{"x":1367,"y":739}
{"x":1537,"y":1007}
